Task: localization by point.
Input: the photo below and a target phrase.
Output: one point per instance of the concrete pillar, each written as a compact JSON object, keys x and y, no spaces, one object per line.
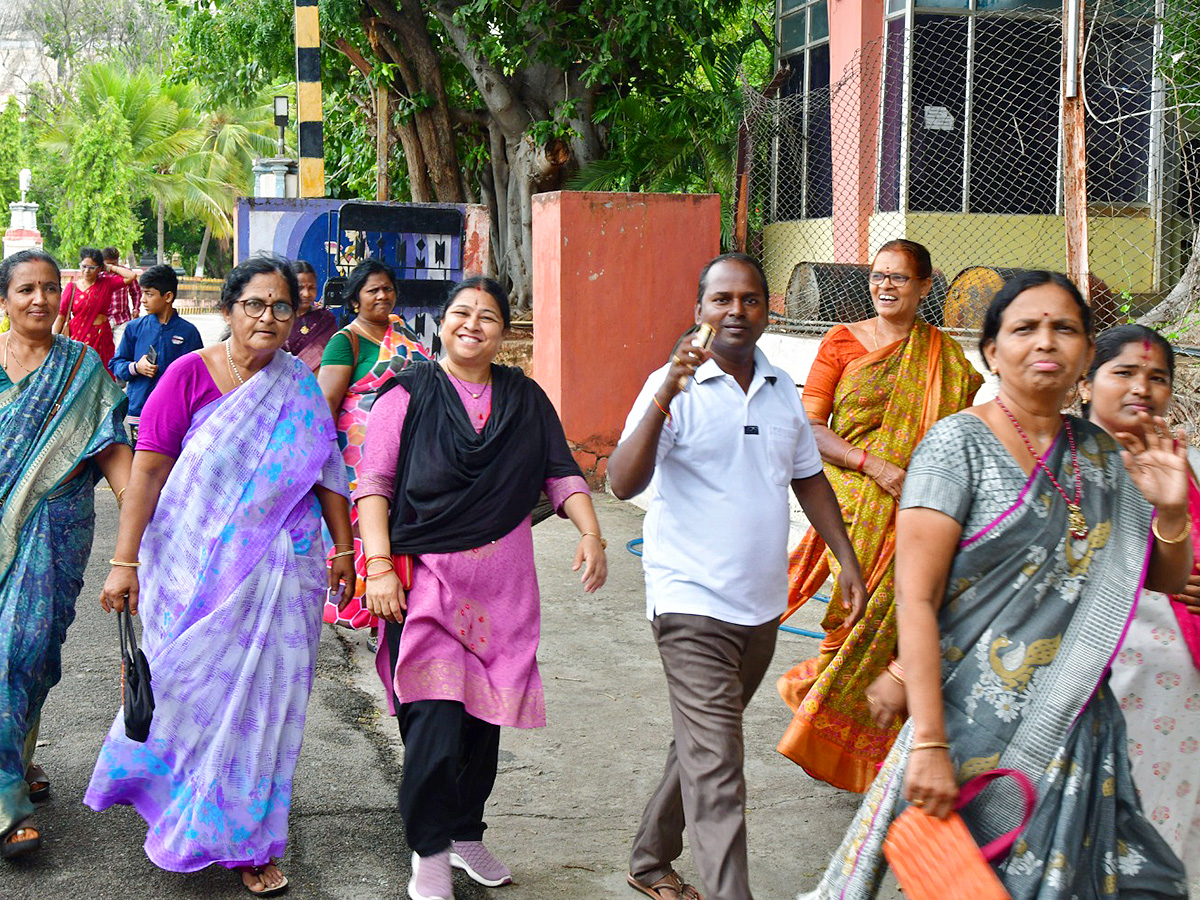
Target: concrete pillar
{"x":855,"y":67}
{"x":614,"y":286}
{"x":22,"y":233}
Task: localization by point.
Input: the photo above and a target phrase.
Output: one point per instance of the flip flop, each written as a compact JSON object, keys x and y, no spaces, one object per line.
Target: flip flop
{"x":671,"y":882}
{"x":39,"y":784}
{"x":265,"y":892}
{"x":10,"y":849}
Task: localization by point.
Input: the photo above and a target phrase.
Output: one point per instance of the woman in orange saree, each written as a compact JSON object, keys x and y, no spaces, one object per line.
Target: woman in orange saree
{"x":873,"y":391}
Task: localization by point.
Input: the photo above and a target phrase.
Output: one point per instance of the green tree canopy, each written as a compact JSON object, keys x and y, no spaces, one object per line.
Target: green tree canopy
{"x":98,"y":208}
{"x":11,"y":156}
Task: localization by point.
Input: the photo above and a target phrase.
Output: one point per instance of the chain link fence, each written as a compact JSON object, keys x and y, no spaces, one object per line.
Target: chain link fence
{"x":948,"y":132}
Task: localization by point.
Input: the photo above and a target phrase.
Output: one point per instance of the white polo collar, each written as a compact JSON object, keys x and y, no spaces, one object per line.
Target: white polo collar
{"x":709,"y":369}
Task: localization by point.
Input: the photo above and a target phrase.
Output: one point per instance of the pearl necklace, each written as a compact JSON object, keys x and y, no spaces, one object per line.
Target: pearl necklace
{"x":233,"y":369}
{"x":1076,"y":522}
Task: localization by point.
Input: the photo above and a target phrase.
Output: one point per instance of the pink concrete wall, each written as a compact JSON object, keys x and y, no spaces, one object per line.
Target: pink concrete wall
{"x":854,"y":25}
{"x":614,"y":285}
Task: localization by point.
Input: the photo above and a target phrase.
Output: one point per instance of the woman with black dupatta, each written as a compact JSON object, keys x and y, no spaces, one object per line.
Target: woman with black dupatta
{"x":456,"y":457}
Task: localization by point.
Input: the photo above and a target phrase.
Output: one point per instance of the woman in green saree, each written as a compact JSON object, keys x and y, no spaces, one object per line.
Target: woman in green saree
{"x":1022,"y":544}
{"x":61,"y":425}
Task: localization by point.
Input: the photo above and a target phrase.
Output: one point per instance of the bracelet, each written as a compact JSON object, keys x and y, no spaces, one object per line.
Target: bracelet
{"x":121,"y":495}
{"x":662,"y":409}
{"x":371,"y":559}
{"x":337,"y":546}
{"x":930,"y":745}
{"x":862,"y":462}
{"x":379,"y":574}
{"x":342,"y":553}
{"x":897,"y":673}
{"x":1187,"y":529}
{"x":128,"y":565}
{"x":603,"y":542}
{"x":846,"y":458}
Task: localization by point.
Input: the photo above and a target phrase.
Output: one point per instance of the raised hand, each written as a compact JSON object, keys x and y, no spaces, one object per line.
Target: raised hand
{"x":1157,"y":462}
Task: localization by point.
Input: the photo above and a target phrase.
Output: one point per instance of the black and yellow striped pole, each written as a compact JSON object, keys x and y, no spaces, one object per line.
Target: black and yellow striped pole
{"x":309,"y":115}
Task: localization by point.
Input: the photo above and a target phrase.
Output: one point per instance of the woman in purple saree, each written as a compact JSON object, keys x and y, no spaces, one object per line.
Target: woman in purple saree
{"x":237,"y":464}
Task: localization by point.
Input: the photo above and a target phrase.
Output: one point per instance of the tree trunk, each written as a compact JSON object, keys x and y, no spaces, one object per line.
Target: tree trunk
{"x":162,"y":229}
{"x":407,"y":42}
{"x":1182,"y":297}
{"x":203,"y":251}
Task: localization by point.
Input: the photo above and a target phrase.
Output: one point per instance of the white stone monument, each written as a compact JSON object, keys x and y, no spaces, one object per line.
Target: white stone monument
{"x":22,"y":233}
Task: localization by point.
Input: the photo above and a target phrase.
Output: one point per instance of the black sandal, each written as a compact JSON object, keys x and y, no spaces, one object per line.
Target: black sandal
{"x":10,"y":848}
{"x":39,"y":783}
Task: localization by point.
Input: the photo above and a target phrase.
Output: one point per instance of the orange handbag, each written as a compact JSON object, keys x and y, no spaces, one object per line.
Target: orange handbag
{"x":937,"y":859}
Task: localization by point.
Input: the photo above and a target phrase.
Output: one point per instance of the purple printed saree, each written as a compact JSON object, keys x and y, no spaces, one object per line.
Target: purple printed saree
{"x":231,"y":626}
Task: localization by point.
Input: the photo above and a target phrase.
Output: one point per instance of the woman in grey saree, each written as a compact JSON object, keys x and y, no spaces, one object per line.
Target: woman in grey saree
{"x":1026,"y":605}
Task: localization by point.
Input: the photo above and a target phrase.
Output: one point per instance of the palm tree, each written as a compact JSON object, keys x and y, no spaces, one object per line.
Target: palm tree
{"x":166,"y":131}
{"x":233,"y":137}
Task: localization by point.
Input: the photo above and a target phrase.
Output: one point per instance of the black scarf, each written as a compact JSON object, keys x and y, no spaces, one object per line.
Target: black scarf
{"x":457,"y":490}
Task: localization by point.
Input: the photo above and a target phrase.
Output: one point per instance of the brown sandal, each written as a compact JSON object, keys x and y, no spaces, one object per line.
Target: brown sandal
{"x":678,"y":888}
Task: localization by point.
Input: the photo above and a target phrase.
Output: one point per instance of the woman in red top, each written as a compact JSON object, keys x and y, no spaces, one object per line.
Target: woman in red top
{"x":87,"y":301}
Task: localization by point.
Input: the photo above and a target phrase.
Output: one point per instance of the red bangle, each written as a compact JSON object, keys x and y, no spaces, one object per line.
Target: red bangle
{"x":862,"y":462}
{"x":371,"y":559}
{"x":662,"y":409}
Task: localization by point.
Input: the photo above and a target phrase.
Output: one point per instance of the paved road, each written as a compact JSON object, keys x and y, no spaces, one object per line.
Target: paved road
{"x":566,"y":803}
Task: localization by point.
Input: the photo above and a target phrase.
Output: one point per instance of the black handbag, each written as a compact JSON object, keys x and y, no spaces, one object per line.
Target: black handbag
{"x":136,"y":696}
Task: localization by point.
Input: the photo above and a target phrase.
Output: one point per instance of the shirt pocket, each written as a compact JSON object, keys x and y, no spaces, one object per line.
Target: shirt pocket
{"x":781,"y":452}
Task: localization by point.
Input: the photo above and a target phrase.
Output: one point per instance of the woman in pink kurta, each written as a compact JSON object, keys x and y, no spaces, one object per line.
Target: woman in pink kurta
{"x":456,"y":456}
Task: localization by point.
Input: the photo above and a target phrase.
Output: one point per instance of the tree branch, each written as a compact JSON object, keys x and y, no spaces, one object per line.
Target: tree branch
{"x":351,"y":53}
{"x":494,"y":87}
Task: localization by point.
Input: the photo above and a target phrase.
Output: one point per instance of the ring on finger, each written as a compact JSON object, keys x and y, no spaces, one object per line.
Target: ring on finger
{"x":919,"y":804}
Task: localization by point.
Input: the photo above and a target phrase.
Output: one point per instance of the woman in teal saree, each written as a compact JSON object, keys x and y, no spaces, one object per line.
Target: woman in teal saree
{"x":1022,"y":544}
{"x":61,"y":424}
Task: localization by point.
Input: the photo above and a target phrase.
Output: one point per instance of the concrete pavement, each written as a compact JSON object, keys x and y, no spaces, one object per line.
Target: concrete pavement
{"x":567,"y":800}
{"x":566,"y":803}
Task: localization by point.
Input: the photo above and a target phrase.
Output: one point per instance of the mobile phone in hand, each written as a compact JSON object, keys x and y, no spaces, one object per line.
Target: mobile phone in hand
{"x":152,"y":356}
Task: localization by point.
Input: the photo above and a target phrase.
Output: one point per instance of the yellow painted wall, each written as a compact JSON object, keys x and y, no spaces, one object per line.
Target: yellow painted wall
{"x":788,"y":243}
{"x":1122,"y":248}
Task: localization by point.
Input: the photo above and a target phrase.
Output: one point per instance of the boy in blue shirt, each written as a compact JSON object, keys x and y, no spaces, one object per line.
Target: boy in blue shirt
{"x":152,"y":342}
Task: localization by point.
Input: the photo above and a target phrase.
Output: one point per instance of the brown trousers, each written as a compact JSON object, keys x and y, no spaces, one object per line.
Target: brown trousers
{"x":713,"y":669}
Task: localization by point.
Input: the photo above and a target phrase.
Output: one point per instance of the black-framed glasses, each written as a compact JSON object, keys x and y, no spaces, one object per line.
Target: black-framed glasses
{"x":281,"y":310}
{"x":896,"y":278}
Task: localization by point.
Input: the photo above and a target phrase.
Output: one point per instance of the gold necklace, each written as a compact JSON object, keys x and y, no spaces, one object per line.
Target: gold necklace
{"x":467,"y":389}
{"x":233,"y":369}
{"x":16,"y":359}
{"x":367,"y":334}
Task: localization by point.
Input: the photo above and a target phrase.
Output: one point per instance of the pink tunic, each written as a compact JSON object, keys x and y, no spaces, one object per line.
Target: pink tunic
{"x":474,"y":617}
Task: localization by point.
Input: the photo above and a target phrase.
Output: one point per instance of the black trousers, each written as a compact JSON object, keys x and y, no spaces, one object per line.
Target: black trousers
{"x":450,"y":761}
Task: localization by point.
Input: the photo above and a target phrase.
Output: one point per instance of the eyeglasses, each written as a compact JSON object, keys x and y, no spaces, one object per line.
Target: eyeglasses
{"x":281,"y":311}
{"x":895,"y":277}
{"x":88,"y":268}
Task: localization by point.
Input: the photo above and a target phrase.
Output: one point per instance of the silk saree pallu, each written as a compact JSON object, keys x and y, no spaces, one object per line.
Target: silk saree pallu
{"x":884,"y":403}
{"x":46,"y":530}
{"x":231,"y":626}
{"x":1031,"y":622}
{"x":400,"y":346}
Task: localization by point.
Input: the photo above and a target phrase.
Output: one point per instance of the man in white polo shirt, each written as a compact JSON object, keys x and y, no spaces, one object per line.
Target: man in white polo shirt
{"x":719,"y":459}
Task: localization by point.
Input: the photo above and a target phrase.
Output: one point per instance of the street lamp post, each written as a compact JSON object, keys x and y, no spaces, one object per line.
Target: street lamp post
{"x":281,"y":119}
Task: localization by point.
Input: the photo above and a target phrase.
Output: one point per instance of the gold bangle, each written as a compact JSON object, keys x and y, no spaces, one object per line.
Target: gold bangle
{"x":121,"y":495}
{"x":337,"y":546}
{"x":128,"y":565}
{"x":896,"y":677}
{"x":930,"y":745}
{"x":603,"y":542}
{"x":1187,"y":529}
{"x":343,"y":553}
{"x":380,"y":574}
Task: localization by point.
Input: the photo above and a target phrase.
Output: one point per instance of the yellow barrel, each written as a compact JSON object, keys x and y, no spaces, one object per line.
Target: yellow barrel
{"x":974,"y":287}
